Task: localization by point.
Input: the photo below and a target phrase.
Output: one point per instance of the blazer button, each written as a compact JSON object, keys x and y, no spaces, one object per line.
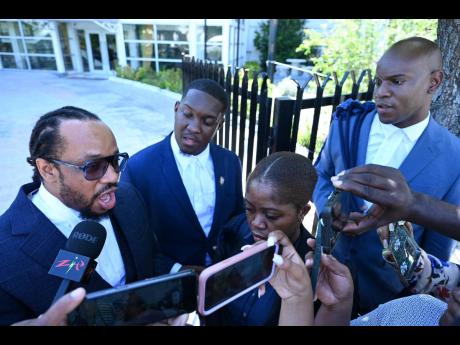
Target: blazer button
{"x":214,"y":248}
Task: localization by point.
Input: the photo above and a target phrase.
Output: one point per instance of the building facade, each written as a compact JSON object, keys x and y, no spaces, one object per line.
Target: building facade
{"x":98,"y":46}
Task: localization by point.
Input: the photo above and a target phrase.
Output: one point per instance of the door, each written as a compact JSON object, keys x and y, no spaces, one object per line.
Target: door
{"x":98,"y":46}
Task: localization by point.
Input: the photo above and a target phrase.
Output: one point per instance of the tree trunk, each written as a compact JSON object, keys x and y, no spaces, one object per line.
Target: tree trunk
{"x":446,"y":102}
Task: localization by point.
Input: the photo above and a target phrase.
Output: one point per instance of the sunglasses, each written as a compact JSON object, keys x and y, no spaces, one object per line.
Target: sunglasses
{"x":94,"y":169}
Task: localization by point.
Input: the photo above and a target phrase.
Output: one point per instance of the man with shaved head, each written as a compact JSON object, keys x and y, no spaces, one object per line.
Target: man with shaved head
{"x":396,"y":131}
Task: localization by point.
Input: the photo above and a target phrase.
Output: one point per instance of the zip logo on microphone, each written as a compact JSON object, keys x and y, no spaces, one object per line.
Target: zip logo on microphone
{"x":69,"y":265}
{"x":75,"y":263}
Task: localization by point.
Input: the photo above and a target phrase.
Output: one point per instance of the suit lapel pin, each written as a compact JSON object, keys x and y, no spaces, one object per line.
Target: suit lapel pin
{"x":221,"y":180}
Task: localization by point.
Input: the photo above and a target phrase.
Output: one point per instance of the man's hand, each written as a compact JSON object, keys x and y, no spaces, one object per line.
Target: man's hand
{"x":385,"y":187}
{"x":453,"y":309}
{"x":56,"y":315}
{"x":335,"y":285}
{"x":197,"y":269}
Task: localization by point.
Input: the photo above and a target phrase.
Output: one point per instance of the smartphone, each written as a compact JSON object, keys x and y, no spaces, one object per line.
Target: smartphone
{"x":139,"y":303}
{"x":326,"y":235}
{"x":330,"y":212}
{"x":405,"y":252}
{"x":229,"y":279}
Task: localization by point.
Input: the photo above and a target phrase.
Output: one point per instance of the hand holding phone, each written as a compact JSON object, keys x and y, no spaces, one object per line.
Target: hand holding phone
{"x":400,"y":248}
{"x":139,"y":303}
{"x":229,"y":279}
{"x":326,"y":235}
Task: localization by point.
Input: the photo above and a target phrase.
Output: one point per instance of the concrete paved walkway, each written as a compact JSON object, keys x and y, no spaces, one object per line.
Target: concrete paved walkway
{"x":138,"y":114}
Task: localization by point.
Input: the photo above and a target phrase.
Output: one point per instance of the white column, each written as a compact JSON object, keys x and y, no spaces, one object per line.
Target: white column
{"x":226,"y":43}
{"x":74,"y":48}
{"x":132,"y":47}
{"x":121,"y":51}
{"x":192,"y":38}
{"x":57,"y":47}
{"x":14,"y":43}
{"x":104,"y":52}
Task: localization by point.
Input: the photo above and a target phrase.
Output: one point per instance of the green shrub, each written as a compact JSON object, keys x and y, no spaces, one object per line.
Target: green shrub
{"x":304,"y":140}
{"x":170,"y":79}
{"x":252,"y":67}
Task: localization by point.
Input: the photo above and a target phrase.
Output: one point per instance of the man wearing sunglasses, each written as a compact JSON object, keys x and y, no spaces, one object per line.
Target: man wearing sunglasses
{"x":77,"y":166}
{"x":192,"y":185}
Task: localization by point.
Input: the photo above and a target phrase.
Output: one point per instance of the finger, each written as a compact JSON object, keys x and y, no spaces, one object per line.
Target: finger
{"x":261,"y":291}
{"x":57,"y":313}
{"x":179,"y":320}
{"x":296,"y":270}
{"x":409,"y":228}
{"x":369,"y":187}
{"x":334,"y":265}
{"x":384,"y":233}
{"x":456,"y":295}
{"x":280,"y":237}
{"x":247,"y":246}
{"x":309,"y":261}
{"x":374,"y":169}
{"x":311,"y":243}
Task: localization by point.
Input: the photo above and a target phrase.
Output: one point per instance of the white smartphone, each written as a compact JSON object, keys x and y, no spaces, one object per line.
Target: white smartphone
{"x":229,"y":279}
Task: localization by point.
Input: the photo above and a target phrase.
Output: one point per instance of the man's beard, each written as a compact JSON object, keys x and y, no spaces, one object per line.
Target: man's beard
{"x":75,"y":200}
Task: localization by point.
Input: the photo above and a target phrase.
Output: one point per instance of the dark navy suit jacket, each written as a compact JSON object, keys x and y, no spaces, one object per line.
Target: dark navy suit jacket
{"x":29,"y":243}
{"x":154,"y":172}
{"x":431,"y":167}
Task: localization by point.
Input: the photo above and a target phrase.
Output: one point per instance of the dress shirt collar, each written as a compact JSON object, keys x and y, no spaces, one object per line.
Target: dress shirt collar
{"x":184,"y":159}
{"x":412,"y":132}
{"x":54,"y":209}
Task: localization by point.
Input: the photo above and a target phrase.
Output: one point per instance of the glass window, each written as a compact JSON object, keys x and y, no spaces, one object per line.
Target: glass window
{"x":112,"y":47}
{"x":35,"y":29}
{"x":172,"y":51}
{"x":140,"y":50}
{"x":11,"y":45}
{"x":39,"y":46}
{"x":135,"y":64}
{"x":83,"y":52}
{"x":214,"y":53}
{"x":41,"y":62}
{"x":8,"y":61}
{"x":9,"y":29}
{"x":65,"y":46}
{"x":172,"y":32}
{"x":213,"y":34}
{"x":169,"y":65}
{"x":138,"y":32}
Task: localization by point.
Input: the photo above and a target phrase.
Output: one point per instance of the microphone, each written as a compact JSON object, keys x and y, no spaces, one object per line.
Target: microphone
{"x":76,"y":261}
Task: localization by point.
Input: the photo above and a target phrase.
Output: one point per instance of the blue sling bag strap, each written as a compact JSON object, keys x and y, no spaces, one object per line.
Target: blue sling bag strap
{"x":343,"y":114}
{"x":349,"y":149}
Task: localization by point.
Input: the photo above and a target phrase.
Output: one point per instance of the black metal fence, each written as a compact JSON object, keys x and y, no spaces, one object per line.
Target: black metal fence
{"x":249,"y":129}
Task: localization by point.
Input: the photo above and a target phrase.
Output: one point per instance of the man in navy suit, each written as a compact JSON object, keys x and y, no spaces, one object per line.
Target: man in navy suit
{"x":76,"y":172}
{"x":396,"y":131}
{"x":191,"y":185}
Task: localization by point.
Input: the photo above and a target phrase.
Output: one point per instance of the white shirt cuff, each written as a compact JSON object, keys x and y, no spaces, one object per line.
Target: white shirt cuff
{"x":176,"y":267}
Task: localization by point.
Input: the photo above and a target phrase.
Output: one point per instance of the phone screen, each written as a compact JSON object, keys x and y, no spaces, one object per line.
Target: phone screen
{"x":240,"y":276}
{"x":139,"y":303}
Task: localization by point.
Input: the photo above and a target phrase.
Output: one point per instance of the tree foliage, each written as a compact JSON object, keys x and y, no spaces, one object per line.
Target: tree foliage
{"x":356,"y":44}
{"x":289,"y":35}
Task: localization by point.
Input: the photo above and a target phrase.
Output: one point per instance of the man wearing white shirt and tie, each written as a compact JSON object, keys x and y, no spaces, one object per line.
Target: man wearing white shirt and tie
{"x":191,"y":186}
{"x":397,"y":131}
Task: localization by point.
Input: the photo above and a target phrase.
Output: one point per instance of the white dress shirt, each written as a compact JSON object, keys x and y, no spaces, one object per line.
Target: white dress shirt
{"x":197,"y":173}
{"x":389,"y":145}
{"x":110,"y":263}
